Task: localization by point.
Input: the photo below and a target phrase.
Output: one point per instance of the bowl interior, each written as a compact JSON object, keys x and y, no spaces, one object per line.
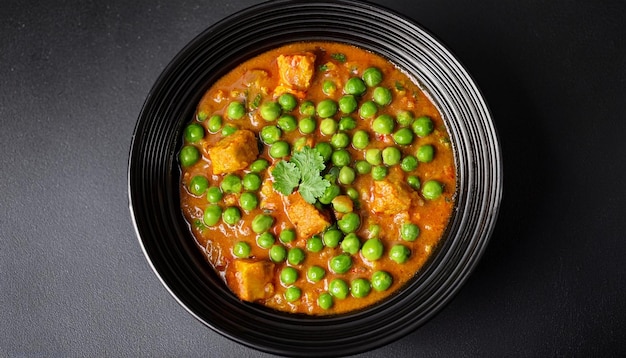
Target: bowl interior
{"x":154,"y":176}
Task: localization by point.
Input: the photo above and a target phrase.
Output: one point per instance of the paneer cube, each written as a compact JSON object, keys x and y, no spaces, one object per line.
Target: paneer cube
{"x":253,"y":279}
{"x":392,"y":195}
{"x":296,"y":71}
{"x":234,"y":152}
{"x":305,"y":217}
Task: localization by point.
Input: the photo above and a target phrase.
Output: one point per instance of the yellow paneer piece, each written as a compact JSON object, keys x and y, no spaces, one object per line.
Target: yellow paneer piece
{"x":234,"y":152}
{"x":296,"y":71}
{"x":305,"y":217}
{"x":254,"y":279}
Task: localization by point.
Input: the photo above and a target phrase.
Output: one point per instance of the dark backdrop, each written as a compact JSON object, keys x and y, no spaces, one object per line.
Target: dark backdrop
{"x":73,"y":279}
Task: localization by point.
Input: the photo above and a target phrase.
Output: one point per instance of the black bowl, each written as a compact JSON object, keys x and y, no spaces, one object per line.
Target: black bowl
{"x":153,"y":175}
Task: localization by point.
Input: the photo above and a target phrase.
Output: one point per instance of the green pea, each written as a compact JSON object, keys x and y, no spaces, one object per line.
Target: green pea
{"x":374,"y":231}
{"x":338,"y":288}
{"x":372,"y":249}
{"x":351,"y":244}
{"x":248,"y":201}
{"x":332,"y":174}
{"x":314,"y":244}
{"x":381,"y":96}
{"x":231,"y":184}
{"x":287,"y":235}
{"x":298,"y":145}
{"x":259,"y":165}
{"x":198,"y":185}
{"x":228,"y":130}
{"x":214,"y":194}
{"x":288,"y":276}
{"x":346,"y":175}
{"x":315,"y":274}
{"x":368,"y":110}
{"x":279,"y":149}
{"x":201,"y":116}
{"x":287,"y":101}
{"x":329,"y":194}
{"x":423,"y":126}
{"x":379,"y":172}
{"x":194,"y":132}
{"x":270,"y":134}
{"x":332,"y":238}
{"x":307,"y":108}
{"x":295,"y":256}
{"x":372,"y":76}
{"x":340,"y":140}
{"x":325,"y":301}
{"x":348,"y":104}
{"x":325,"y":150}
{"x":360,"y":287}
{"x":242,"y":249}
{"x":326,"y":108}
{"x":293,"y":294}
{"x":413,"y":181}
{"x":399,"y":253}
{"x":189,"y":155}
{"x":347,"y":124}
{"x":354,"y":86}
{"x":340,"y":264}
{"x":328,"y":126}
{"x":215,"y":123}
{"x":212,"y":215}
{"x":329,"y":87}
{"x":360,"y":139}
{"x":270,"y":111}
{"x":231,"y":215}
{"x":265,"y":240}
{"x":261,"y":223}
{"x":404,"y":118}
{"x":288,"y":123}
{"x":352,"y":193}
{"x":341,"y":157}
{"x":425,"y":153}
{"x":374,"y":156}
{"x":278,"y":253}
{"x":403,"y":136}
{"x":432,"y":190}
{"x":391,"y":156}
{"x":409,"y":231}
{"x":235,"y":110}
{"x":408,"y":163}
{"x":251,"y":181}
{"x":350,"y":222}
{"x":307,"y":125}
{"x":383,"y":124}
{"x":381,"y":281}
{"x":362,"y":167}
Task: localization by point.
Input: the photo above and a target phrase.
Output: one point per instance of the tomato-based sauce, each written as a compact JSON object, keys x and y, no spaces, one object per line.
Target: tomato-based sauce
{"x":317,"y":178}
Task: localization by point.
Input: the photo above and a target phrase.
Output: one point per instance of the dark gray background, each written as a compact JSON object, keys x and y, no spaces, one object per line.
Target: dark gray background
{"x":74,"y":281}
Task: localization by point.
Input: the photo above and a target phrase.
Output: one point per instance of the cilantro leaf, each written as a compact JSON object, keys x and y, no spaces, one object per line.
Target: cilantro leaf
{"x":309,"y":161}
{"x":339,"y":57}
{"x":312,"y":188}
{"x":256,"y":102}
{"x":303,"y":171}
{"x":286,"y":177}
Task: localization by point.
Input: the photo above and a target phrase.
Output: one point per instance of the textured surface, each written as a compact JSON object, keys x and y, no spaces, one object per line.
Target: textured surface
{"x":73,"y":279}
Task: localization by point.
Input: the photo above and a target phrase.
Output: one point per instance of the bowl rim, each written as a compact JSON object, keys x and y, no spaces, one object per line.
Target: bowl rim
{"x":479,"y":243}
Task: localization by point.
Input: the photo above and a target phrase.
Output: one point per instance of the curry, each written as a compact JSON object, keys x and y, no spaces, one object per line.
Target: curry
{"x":317,"y":178}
